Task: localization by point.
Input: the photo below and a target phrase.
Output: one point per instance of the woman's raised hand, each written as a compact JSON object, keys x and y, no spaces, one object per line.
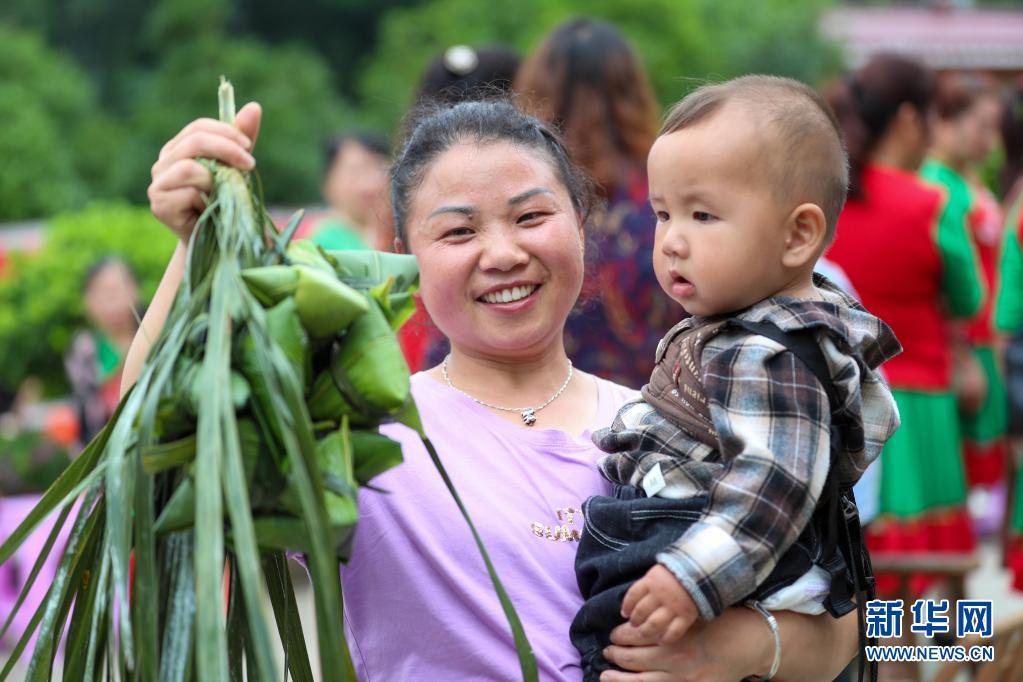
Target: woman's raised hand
{"x":179,"y":182}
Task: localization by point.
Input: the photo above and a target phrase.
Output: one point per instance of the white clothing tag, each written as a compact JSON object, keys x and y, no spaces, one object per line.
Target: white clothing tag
{"x":653,"y":482}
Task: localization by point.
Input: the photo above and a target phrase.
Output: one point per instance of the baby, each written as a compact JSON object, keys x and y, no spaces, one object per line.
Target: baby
{"x":764,"y":407}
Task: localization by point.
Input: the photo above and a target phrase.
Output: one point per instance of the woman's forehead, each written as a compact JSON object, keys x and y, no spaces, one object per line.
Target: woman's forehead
{"x":114,"y":273}
{"x":486,"y":172}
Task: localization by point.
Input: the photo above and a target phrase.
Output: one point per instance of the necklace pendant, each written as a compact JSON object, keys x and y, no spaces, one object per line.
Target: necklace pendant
{"x":529,"y":416}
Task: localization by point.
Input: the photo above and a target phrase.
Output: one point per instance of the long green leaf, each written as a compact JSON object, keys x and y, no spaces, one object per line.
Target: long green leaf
{"x":146,"y":594}
{"x":78,"y":582}
{"x":211,"y":642}
{"x":527,"y":661}
{"x":119,"y":490}
{"x":289,"y":623}
{"x":236,"y":626}
{"x":76,"y":660}
{"x":176,"y":656}
{"x":98,"y":632}
{"x":239,"y":510}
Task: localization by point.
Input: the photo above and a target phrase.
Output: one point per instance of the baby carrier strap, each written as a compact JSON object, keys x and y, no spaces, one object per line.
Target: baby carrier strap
{"x":836,"y":509}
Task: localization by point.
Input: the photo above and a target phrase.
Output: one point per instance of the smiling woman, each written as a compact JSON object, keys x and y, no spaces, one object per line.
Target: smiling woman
{"x":488,"y":201}
{"x":518,"y":263}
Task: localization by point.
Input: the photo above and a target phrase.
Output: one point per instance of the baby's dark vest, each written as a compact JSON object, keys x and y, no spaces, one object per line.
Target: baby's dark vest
{"x":676,"y":391}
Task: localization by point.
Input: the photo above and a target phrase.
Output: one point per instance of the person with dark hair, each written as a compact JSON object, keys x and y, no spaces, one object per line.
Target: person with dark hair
{"x":906,"y":250}
{"x":587,"y":79}
{"x":355,"y":189}
{"x":95,"y":357}
{"x":764,"y":407}
{"x":492,"y":207}
{"x":1008,"y":314}
{"x":967,"y":115}
{"x":462,"y":73}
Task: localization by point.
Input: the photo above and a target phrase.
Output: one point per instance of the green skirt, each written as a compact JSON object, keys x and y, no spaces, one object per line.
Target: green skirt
{"x":991,"y":421}
{"x":1016,"y":520}
{"x":922,"y":463}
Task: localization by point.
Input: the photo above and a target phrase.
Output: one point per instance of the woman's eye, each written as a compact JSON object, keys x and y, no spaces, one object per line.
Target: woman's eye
{"x":458,"y":232}
{"x":530,"y":217}
{"x":702,"y":216}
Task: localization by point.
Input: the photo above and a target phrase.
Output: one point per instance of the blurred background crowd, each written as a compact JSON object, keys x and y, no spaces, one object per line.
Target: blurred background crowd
{"x":929,"y":96}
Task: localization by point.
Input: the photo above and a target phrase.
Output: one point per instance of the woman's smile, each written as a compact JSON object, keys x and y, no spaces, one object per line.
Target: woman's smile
{"x":510,"y":297}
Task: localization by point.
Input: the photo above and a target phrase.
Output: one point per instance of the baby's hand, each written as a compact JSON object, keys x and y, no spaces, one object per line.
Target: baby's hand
{"x":659,"y":606}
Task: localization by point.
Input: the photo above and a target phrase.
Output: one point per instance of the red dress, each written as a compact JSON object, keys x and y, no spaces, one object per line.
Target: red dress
{"x":905,"y":248}
{"x":887,"y":247}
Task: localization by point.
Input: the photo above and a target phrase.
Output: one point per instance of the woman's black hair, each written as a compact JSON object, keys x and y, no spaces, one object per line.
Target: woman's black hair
{"x":373,"y":142}
{"x":586,"y":78}
{"x":463,"y":73}
{"x":866,"y":102}
{"x":101,"y":264}
{"x":432,"y":130}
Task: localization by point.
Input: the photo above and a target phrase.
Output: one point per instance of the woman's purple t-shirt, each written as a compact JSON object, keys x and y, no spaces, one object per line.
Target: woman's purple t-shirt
{"x":419,"y":604}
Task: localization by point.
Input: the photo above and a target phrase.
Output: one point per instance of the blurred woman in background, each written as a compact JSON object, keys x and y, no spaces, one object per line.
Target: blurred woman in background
{"x":355,"y":187}
{"x":585,"y":78}
{"x":914,"y":277}
{"x":96,"y":355}
{"x":967,"y":115}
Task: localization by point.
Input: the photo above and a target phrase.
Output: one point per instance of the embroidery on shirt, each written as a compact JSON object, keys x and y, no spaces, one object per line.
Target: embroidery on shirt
{"x":562,"y":531}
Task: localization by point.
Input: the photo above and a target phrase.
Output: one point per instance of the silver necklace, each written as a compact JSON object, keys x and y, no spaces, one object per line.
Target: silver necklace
{"x":528,"y":414}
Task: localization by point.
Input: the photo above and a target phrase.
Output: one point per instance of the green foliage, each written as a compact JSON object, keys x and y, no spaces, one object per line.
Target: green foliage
{"x":178,"y":22}
{"x":55,"y":130}
{"x":43,"y":97}
{"x":682,"y":42}
{"x":41,"y":300}
{"x":30,"y":463}
{"x":292,"y":84}
{"x":43,"y":178}
{"x":342,"y":31}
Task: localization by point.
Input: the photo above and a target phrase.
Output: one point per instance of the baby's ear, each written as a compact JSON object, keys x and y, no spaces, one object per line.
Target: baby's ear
{"x":805,"y":233}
